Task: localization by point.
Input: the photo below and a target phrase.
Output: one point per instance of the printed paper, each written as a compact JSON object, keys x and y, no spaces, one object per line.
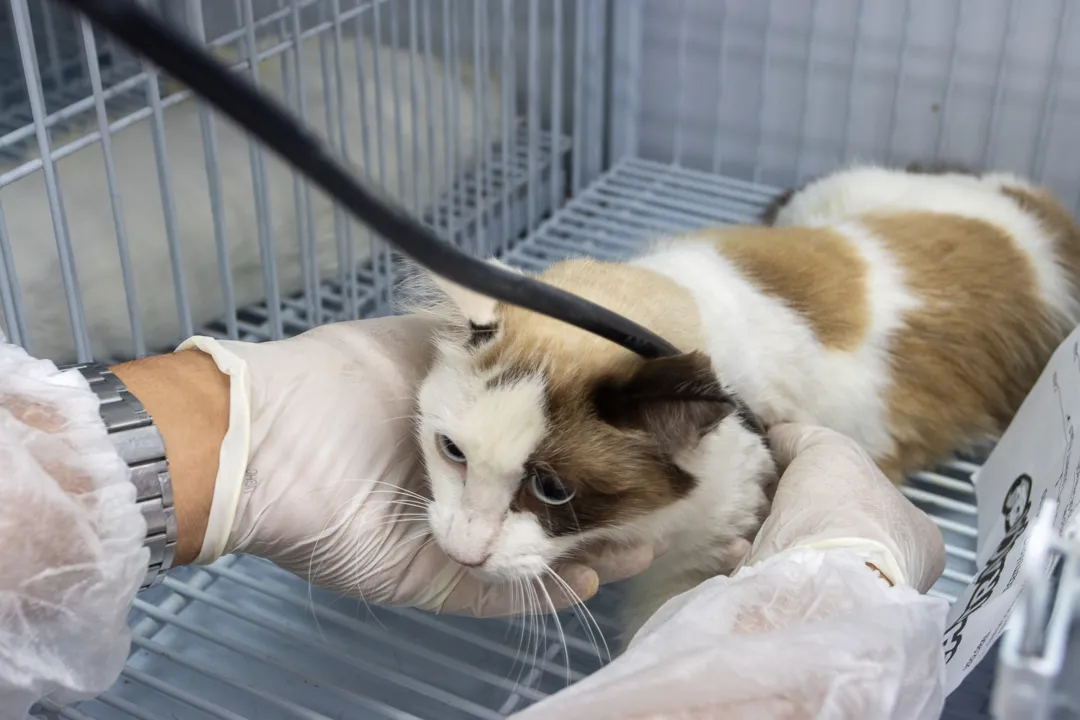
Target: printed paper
{"x":1035,"y":459}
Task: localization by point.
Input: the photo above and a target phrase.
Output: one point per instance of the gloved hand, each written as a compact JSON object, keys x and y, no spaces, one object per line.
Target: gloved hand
{"x":831,"y":494}
{"x":319,"y":472}
{"x":71,"y":537}
{"x":803,"y":629}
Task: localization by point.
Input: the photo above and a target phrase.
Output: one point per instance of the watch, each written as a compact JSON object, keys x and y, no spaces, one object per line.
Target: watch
{"x":140,"y":445}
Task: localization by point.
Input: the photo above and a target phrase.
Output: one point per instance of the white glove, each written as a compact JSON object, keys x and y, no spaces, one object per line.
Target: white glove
{"x":71,"y":538}
{"x":807,"y":631}
{"x":319,"y":472}
{"x":833,"y":495}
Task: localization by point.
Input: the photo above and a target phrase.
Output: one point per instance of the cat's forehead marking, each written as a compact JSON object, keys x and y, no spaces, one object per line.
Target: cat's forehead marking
{"x":507,"y":421}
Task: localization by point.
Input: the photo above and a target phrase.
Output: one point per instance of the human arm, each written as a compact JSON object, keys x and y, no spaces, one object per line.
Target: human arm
{"x":188,"y":399}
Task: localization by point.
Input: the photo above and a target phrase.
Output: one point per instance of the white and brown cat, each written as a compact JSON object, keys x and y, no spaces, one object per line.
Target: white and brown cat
{"x":912,"y":312}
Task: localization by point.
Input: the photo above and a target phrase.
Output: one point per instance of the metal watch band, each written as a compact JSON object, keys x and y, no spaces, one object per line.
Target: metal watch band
{"x":140,"y":445}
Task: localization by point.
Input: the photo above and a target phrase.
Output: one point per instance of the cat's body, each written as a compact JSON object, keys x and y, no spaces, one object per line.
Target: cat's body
{"x":911,"y":312}
{"x":413,"y":181}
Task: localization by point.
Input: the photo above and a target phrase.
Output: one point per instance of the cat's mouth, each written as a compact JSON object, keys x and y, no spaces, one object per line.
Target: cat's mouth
{"x":498,"y":568}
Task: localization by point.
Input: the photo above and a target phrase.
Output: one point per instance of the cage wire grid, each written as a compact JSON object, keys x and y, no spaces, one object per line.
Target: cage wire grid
{"x":698,"y":110}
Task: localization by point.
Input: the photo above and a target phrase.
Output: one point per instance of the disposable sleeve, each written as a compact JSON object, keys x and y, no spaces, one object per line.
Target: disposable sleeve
{"x":804,"y":634}
{"x":70,"y":537}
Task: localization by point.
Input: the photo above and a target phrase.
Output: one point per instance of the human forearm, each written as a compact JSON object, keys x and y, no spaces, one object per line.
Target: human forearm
{"x":188,"y":398}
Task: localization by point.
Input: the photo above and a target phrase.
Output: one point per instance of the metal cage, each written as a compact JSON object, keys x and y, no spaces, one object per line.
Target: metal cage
{"x":131,"y":216}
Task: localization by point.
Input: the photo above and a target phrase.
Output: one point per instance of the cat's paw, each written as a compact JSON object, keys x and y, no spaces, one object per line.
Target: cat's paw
{"x":736,"y":550}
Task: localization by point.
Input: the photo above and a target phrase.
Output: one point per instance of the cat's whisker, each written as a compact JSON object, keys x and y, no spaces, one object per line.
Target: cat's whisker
{"x":401,"y":504}
{"x":530,"y":625}
{"x":518,"y":662}
{"x":532,"y":619}
{"x":312,"y":570}
{"x":398,"y":521}
{"x":540,"y":623}
{"x":400,"y":498}
{"x":410,"y":416}
{"x":399,"y":488}
{"x":397,"y":492}
{"x":358,"y":585}
{"x":585,"y":615}
{"x":417,"y":536}
{"x":541,"y":614}
{"x":559,"y":628}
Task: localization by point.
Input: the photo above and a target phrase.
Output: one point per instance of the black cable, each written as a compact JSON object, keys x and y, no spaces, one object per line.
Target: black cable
{"x":265,"y":119}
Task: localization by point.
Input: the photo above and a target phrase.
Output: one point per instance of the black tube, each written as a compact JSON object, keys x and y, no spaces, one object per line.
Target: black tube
{"x":265,"y":119}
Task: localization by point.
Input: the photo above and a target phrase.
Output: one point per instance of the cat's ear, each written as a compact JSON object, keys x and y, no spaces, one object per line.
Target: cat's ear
{"x":436,"y":292}
{"x":475,"y":308}
{"x":677,"y":399}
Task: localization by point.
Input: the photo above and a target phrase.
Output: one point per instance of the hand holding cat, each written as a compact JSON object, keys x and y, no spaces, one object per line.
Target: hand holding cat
{"x":831,"y":494}
{"x":320,"y":474}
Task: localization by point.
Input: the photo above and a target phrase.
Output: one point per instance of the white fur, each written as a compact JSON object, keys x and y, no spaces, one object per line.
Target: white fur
{"x":93,"y":237}
{"x":866,"y":189}
{"x":704,"y":530}
{"x":474,"y":307}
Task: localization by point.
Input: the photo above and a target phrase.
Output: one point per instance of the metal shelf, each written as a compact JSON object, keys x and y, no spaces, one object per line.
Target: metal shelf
{"x":243,"y":639}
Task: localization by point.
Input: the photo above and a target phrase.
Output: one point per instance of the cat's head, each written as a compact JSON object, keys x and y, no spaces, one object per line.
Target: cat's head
{"x":538,"y":437}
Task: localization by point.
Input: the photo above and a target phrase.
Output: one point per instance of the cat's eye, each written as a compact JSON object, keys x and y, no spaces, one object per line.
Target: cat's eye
{"x":549,"y":489}
{"x":450,"y":450}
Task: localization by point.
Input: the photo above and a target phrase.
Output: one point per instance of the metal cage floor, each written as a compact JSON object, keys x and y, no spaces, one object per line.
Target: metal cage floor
{"x":243,"y":639}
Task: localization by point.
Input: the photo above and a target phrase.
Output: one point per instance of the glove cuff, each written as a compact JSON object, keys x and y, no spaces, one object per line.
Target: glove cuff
{"x":872,"y":552}
{"x":235,"y":448}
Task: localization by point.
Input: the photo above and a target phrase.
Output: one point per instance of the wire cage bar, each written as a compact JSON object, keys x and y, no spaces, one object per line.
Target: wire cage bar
{"x":132,"y":214}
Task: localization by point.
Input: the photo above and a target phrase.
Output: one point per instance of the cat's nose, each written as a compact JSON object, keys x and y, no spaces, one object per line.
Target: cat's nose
{"x":469,"y":561}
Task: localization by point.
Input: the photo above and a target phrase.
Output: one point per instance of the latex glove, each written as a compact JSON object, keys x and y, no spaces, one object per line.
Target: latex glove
{"x":319,"y":472}
{"x":71,"y":537}
{"x":804,"y":634}
{"x":831,"y":494}
{"x":804,"y":629}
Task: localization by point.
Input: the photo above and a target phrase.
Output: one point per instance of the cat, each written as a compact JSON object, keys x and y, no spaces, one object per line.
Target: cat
{"x":912,"y":312}
{"x":407,"y":179}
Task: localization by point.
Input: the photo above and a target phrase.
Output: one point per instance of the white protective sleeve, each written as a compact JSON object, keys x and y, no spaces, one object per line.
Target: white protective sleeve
{"x":804,"y":634}
{"x":70,"y":539}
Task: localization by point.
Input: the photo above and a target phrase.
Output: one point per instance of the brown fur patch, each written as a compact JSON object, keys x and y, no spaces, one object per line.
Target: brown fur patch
{"x":678,"y":400}
{"x":577,"y":357}
{"x":966,"y":359}
{"x":616,"y":473}
{"x":814,"y":271}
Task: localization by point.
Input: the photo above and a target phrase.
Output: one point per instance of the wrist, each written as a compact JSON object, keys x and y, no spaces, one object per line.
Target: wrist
{"x":188,"y":399}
